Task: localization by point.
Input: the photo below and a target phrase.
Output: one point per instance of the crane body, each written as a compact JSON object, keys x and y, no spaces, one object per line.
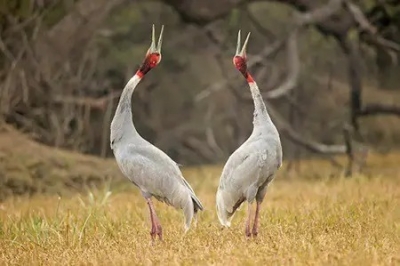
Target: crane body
{"x":146,"y":166}
{"x":251,"y":168}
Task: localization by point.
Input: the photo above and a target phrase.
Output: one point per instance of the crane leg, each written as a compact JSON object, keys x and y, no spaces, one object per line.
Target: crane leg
{"x":155,"y":223}
{"x":247,"y":231}
{"x":256,"y":219}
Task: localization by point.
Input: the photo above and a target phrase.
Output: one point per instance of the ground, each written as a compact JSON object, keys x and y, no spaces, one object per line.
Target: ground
{"x":336,"y":221}
{"x":313,"y":216}
{"x":27,"y":167}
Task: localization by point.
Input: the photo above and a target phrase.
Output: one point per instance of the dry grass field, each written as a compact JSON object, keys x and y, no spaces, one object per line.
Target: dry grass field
{"x":305,"y":221}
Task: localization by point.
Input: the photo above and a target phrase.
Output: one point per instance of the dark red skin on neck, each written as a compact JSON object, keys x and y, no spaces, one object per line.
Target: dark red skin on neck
{"x":150,"y":62}
{"x":241,"y":65}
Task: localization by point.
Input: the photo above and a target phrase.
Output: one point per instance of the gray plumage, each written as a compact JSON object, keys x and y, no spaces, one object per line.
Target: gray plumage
{"x":249,"y":170}
{"x":149,"y":168}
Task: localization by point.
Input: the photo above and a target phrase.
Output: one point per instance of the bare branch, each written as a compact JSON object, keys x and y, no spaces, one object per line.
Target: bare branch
{"x":296,"y":138}
{"x":379,"y":109}
{"x":199,"y":148}
{"x":202,"y":12}
{"x":367,"y":27}
{"x":321,"y":13}
{"x":96,"y":103}
{"x":314,"y":16}
{"x":359,"y":17}
{"x":263,"y":30}
{"x":293,"y":63}
{"x":354,"y":75}
{"x":222,"y":83}
{"x":349,"y":150}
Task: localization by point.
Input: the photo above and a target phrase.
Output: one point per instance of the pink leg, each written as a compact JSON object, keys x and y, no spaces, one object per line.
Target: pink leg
{"x":155,"y":223}
{"x":248,"y":233}
{"x":256,"y":219}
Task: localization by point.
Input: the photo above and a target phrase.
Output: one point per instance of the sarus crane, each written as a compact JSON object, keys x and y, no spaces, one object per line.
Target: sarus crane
{"x":251,"y":168}
{"x":147,"y":167}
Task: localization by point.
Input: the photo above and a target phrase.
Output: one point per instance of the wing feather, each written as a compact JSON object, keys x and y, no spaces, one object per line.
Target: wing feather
{"x":160,"y":168}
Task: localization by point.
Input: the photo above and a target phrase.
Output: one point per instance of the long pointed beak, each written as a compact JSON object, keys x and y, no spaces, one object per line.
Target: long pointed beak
{"x":160,"y":39}
{"x":242,"y":52}
{"x":153,"y":47}
{"x":244,"y":48}
{"x":238,"y":44}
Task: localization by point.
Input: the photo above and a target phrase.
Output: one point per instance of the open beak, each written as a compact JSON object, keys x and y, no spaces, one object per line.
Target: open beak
{"x":242,"y":52}
{"x":153,"y":48}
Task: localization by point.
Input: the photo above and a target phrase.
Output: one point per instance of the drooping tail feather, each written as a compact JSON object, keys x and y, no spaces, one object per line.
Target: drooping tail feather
{"x":190,"y":208}
{"x":225,"y":210}
{"x":221,"y":211}
{"x":196,"y":204}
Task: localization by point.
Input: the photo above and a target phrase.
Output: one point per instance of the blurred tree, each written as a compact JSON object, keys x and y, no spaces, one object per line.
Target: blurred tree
{"x":385,"y":16}
{"x":65,"y":62}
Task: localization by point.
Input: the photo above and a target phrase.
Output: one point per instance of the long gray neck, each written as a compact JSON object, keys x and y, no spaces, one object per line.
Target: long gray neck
{"x":261,"y":119}
{"x":122,"y":126}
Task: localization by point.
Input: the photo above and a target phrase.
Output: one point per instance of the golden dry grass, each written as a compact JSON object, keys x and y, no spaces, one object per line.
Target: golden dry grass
{"x":315,"y":222}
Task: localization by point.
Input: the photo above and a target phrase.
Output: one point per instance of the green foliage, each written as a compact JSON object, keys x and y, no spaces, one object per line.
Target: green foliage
{"x":20,"y":9}
{"x":234,"y":18}
{"x":54,"y":12}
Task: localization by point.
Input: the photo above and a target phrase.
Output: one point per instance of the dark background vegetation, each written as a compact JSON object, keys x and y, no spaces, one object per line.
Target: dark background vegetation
{"x":329,"y":72}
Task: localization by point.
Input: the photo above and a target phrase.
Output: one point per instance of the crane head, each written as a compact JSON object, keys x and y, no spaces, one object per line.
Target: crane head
{"x":240,"y":58}
{"x":153,"y":55}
